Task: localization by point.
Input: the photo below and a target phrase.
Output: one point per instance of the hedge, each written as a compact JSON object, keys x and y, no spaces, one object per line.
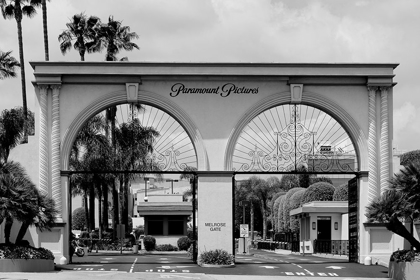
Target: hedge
{"x":295,"y":201}
{"x":184,"y":243}
{"x":149,"y":243}
{"x":341,"y":193}
{"x":320,"y":179}
{"x":287,"y":207}
{"x":320,"y":191}
{"x":409,"y":157}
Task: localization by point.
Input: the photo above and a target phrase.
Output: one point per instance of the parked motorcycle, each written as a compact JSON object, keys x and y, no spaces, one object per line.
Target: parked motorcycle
{"x":78,"y":249}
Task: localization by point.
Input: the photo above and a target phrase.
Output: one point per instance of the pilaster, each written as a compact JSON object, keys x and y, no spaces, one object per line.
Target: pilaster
{"x":55,"y":150}
{"x":372,"y":146}
{"x":384,"y":141}
{"x":43,"y":139}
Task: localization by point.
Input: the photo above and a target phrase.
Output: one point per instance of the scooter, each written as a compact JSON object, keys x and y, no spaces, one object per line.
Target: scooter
{"x":78,"y":250}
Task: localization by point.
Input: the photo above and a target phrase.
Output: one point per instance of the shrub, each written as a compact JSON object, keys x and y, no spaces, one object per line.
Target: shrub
{"x":320,"y":191}
{"x":341,"y":193}
{"x":166,"y":247}
{"x":78,"y":221}
{"x":218,"y":256}
{"x":287,"y":207}
{"x":184,"y":243}
{"x":149,"y":243}
{"x":295,"y":201}
{"x":320,"y":179}
{"x":409,"y":157}
{"x":11,"y":251}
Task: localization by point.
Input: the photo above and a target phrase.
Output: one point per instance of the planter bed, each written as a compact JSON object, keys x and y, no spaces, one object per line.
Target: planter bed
{"x":217,"y":265}
{"x":22,"y":265}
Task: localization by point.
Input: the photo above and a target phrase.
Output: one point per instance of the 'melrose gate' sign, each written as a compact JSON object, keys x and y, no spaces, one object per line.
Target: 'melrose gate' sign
{"x":215,"y":226}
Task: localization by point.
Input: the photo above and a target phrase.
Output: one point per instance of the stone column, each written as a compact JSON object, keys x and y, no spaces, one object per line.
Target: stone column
{"x":372,"y":146}
{"x":384,"y":141}
{"x":43,"y":139}
{"x":55,"y":150}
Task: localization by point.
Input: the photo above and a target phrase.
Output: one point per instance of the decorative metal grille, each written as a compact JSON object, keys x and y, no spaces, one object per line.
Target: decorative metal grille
{"x":287,"y":137}
{"x":173,"y":149}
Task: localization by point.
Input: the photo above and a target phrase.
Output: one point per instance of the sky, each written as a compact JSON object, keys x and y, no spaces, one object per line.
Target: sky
{"x":331,"y":31}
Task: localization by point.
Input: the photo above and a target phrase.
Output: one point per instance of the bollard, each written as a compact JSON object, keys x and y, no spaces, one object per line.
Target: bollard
{"x":368,"y":260}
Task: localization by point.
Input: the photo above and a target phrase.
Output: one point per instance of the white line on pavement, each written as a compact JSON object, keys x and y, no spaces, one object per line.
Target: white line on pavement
{"x":132,"y":266}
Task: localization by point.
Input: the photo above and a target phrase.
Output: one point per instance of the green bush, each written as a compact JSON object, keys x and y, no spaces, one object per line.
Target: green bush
{"x":320,"y":191}
{"x":184,"y":243}
{"x":149,"y":243}
{"x":295,"y":201}
{"x":139,"y":230}
{"x":190,"y":251}
{"x":190,"y":233}
{"x":409,"y":157}
{"x":287,"y":207}
{"x":78,"y":221}
{"x":321,"y":179}
{"x":341,"y":193}
{"x":166,"y":248}
{"x":218,"y":256}
{"x":11,"y":251}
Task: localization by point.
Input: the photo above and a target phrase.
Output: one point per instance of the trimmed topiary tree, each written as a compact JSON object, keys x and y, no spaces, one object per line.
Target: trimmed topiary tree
{"x":280,"y":221}
{"x":320,"y":191}
{"x":295,"y":201}
{"x":78,"y":220}
{"x":320,"y":179}
{"x":184,"y":243}
{"x":341,"y":193}
{"x":149,"y":243}
{"x":276,"y":212}
{"x":287,"y":207}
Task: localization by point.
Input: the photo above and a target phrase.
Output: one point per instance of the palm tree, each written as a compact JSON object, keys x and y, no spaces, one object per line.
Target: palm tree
{"x":134,"y":145}
{"x":45,"y":27}
{"x":400,"y":202}
{"x":114,"y":37}
{"x":16,"y":9}
{"x":8,"y":65}
{"x":83,"y":31}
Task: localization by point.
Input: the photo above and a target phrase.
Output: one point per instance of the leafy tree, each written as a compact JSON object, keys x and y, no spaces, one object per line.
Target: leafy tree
{"x":280,"y":217}
{"x":16,"y":9}
{"x":8,"y":65}
{"x":275,"y":211}
{"x":289,"y":181}
{"x":82,"y":30}
{"x":320,"y":179}
{"x":114,"y":37}
{"x":400,"y":202}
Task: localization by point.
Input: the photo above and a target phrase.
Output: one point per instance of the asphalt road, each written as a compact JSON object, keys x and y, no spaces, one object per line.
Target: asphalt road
{"x":261,"y":263}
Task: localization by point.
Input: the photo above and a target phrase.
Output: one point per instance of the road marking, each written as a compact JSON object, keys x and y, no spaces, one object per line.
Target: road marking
{"x":299,"y":266}
{"x":132,"y":266}
{"x":104,"y":261}
{"x":177,"y":276}
{"x":269,"y":267}
{"x":300,"y":273}
{"x":335,"y":267}
{"x":149,"y":270}
{"x":185,"y":271}
{"x":114,"y":269}
{"x":89,"y":265}
{"x":322,"y":274}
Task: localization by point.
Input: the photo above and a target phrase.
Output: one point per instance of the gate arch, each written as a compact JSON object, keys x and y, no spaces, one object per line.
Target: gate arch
{"x":310,"y":99}
{"x":145,"y":97}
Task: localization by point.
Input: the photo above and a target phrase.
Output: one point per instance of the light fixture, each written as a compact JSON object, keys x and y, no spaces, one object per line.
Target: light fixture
{"x":336,"y":225}
{"x":313,"y":225}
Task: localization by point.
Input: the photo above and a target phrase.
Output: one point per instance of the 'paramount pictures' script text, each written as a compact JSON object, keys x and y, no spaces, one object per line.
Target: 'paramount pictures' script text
{"x":224,"y":90}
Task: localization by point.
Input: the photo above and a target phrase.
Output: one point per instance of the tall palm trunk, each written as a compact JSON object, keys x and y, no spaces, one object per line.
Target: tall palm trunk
{"x":85,"y":202}
{"x":92,"y":206}
{"x":99,"y":210}
{"x":105,"y":207}
{"x":115,"y":203}
{"x":125,"y":202}
{"x":252,"y":220}
{"x":264,"y":216}
{"x":22,"y":66}
{"x":45,"y":26}
{"x":8,"y":229}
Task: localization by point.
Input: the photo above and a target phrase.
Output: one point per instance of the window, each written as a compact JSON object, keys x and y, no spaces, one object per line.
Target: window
{"x":155,"y":225}
{"x":175,"y":227}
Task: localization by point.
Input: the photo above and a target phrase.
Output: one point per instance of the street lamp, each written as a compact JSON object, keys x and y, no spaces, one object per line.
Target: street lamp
{"x":151,"y":180}
{"x":172,"y":184}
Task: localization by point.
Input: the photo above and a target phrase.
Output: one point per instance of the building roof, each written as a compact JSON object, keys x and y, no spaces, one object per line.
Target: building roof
{"x":322,"y":207}
{"x":164,"y":208}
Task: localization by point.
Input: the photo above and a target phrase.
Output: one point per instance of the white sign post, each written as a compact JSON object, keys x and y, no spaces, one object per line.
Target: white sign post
{"x":244,"y":232}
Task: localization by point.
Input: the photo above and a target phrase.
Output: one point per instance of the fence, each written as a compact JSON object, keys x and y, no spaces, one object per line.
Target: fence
{"x":272,"y":245}
{"x":335,"y":247}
